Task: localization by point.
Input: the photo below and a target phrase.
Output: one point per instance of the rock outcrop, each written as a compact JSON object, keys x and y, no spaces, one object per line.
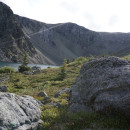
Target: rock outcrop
{"x":18,"y":112}
{"x":14,"y":43}
{"x":103,"y":86}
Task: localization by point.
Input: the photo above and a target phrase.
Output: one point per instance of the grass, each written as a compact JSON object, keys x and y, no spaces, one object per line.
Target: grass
{"x":126,"y":57}
{"x":59,"y":118}
{"x":6,"y":69}
{"x":47,"y":80}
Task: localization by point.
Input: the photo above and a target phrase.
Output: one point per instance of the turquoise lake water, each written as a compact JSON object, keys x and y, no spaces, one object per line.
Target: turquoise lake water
{"x":16,"y":65}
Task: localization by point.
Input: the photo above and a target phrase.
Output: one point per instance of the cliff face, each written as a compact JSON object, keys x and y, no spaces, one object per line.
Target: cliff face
{"x":95,"y":43}
{"x":14,"y":43}
{"x":68,"y":40}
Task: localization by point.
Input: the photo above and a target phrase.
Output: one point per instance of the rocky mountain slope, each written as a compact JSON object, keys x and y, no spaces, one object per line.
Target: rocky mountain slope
{"x":52,"y":43}
{"x":14,"y":43}
{"x":69,"y":40}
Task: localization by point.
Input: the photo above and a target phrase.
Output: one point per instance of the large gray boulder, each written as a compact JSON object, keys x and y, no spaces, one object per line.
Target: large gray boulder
{"x":18,"y":112}
{"x":103,"y":86}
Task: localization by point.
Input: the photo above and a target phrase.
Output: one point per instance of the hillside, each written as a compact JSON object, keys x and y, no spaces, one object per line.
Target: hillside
{"x":69,"y":40}
{"x":14,"y":43}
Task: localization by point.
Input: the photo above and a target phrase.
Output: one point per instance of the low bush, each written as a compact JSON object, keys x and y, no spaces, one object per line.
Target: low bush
{"x":7,"y":69}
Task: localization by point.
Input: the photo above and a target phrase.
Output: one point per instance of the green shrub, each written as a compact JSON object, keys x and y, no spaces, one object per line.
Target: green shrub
{"x":23,"y":68}
{"x":6,"y":69}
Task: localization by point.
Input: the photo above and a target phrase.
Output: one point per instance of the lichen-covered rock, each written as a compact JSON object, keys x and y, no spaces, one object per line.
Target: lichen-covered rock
{"x":60,"y":92}
{"x":18,"y":112}
{"x":103,"y":86}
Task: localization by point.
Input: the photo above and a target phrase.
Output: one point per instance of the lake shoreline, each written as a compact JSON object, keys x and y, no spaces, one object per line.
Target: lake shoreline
{"x":16,"y":65}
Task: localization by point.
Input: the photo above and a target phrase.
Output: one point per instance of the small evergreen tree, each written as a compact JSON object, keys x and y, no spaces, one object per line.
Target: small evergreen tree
{"x":62,"y":74}
{"x":67,"y":61}
{"x":24,"y":66}
{"x":25,"y":60}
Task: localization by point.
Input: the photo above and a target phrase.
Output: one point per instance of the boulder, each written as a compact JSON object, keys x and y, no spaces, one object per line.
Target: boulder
{"x":60,"y":92}
{"x":36,"y":68}
{"x":54,"y":104}
{"x":58,"y":104}
{"x":3,"y":88}
{"x":4,"y":79}
{"x":18,"y":112}
{"x":27,"y":73}
{"x":45,"y":100}
{"x":42,"y":94}
{"x":36,"y":71}
{"x":103,"y":86}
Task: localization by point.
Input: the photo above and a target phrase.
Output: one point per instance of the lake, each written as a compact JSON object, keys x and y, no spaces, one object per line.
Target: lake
{"x":16,"y":65}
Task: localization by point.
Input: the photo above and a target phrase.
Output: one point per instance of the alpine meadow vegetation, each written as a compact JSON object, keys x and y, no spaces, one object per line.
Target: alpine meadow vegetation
{"x":55,"y":117}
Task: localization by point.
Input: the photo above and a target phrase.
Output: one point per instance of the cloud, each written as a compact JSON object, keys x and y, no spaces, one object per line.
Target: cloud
{"x":113,"y":20}
{"x":98,"y":15}
{"x":70,"y":6}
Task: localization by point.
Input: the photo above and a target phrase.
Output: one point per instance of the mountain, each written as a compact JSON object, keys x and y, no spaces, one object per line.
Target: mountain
{"x":52,"y":43}
{"x":14,"y":43}
{"x":69,"y":40}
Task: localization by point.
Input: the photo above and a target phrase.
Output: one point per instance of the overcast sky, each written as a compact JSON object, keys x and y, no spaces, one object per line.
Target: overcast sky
{"x":98,"y":15}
